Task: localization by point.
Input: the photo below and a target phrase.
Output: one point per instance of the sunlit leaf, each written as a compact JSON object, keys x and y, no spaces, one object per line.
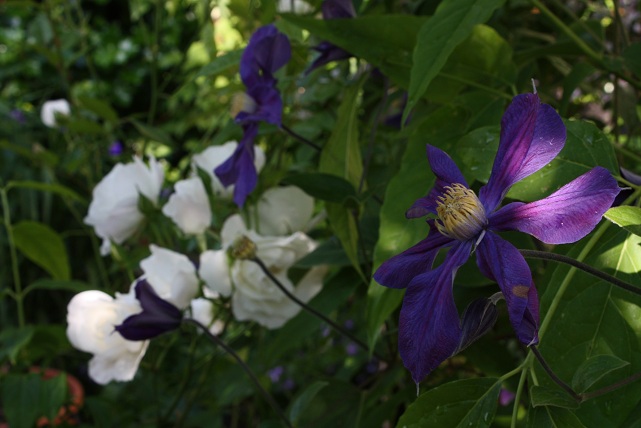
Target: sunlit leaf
{"x":43,"y":246}
{"x":626,"y":217}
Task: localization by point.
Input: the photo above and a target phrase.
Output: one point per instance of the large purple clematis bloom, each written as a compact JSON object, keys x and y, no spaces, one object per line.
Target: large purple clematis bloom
{"x":532,"y":134}
{"x":332,"y":9}
{"x":158,"y":316}
{"x":267,"y":51}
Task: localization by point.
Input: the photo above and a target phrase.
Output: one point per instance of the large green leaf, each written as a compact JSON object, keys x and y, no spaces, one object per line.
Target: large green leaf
{"x":594,"y":318}
{"x":463,"y":403}
{"x":594,"y":369}
{"x":47,"y":187}
{"x":385,"y":41}
{"x":304,"y":399}
{"x":27,"y":396}
{"x":452,"y":23}
{"x":552,"y":417}
{"x":626,"y":217}
{"x":43,"y":246}
{"x":12,"y":340}
{"x":341,"y":156}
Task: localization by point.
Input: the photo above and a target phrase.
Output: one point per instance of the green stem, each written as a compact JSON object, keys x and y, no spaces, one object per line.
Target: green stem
{"x":517,"y":397}
{"x":155,"y":48}
{"x":18,"y":296}
{"x":476,"y":85}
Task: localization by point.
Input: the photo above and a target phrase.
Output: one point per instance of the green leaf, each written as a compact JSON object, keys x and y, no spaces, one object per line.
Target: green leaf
{"x":452,"y":23}
{"x":632,"y":58}
{"x":52,"y":284}
{"x":153,"y":133}
{"x":542,"y":396}
{"x":43,"y":246}
{"x":53,"y":393}
{"x":221,"y":63}
{"x":329,"y":252}
{"x":462,"y":403}
{"x":594,"y":318}
{"x":594,"y":369}
{"x":385,"y":41}
{"x":341,"y":156}
{"x":99,"y":107}
{"x":58,"y":189}
{"x":21,"y":399}
{"x":326,"y":187}
{"x":12,"y":340}
{"x":626,"y":217}
{"x":301,"y":402}
{"x":83,"y":126}
{"x":552,"y":417}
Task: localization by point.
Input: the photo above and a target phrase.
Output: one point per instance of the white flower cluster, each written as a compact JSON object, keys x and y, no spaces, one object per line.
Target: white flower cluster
{"x":279,"y":220}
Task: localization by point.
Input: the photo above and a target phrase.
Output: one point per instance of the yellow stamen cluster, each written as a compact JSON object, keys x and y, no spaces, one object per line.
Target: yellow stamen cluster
{"x":243,"y":248}
{"x":241,"y":102}
{"x":461,"y":214}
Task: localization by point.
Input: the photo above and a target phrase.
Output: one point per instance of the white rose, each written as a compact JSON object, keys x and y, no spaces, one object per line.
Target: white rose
{"x":214,"y":156}
{"x":202,"y":310}
{"x":113,"y":212}
{"x":189,"y":207}
{"x":172,"y":276}
{"x":214,"y":270}
{"x":283,"y":210}
{"x":51,"y":108}
{"x":91,"y":318}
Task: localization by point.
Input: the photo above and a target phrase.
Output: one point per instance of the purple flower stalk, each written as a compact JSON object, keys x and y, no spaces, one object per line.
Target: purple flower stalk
{"x":158,"y":316}
{"x":332,"y":9}
{"x":532,"y":134}
{"x":267,"y":51}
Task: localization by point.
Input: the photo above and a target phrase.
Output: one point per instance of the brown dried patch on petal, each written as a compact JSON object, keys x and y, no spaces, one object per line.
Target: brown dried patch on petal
{"x":520,"y":291}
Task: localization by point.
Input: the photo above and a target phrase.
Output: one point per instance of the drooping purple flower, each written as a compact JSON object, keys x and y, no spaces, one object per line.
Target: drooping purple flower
{"x":532,"y":134}
{"x":267,"y":51}
{"x":332,"y":9}
{"x":158,"y":316}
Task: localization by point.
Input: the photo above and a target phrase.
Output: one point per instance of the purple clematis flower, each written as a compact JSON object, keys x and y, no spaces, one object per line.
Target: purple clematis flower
{"x":267,"y":51}
{"x":158,"y":316}
{"x":332,"y":9}
{"x":532,"y":134}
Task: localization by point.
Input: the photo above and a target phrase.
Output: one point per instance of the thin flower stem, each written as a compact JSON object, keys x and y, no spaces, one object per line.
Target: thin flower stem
{"x":543,"y":255}
{"x":553,"y":375}
{"x":18,"y":296}
{"x":245,"y":367}
{"x":300,"y":138}
{"x":517,"y":397}
{"x":610,"y":388}
{"x":311,"y":310}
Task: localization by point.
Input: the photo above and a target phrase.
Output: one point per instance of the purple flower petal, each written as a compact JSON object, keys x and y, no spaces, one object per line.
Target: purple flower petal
{"x":239,"y":169}
{"x":401,"y":269}
{"x":332,"y":9}
{"x":157,"y":317}
{"x":532,"y":134}
{"x":565,"y":216}
{"x":269,"y":106}
{"x":446,"y":172}
{"x":328,"y":53}
{"x":501,"y":262}
{"x":267,"y":51}
{"x":428,"y":328}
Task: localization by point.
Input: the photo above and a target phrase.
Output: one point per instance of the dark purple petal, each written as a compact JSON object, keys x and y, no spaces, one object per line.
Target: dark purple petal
{"x":328,"y":53}
{"x":428,"y":327}
{"x":401,"y":269}
{"x":269,"y":106}
{"x":565,"y":216}
{"x":446,"y":172}
{"x":479,"y":317}
{"x":333,"y":9}
{"x":501,"y":262}
{"x":116,"y":148}
{"x":157,"y":317}
{"x":267,"y":51}
{"x":532,"y":134}
{"x":239,"y":169}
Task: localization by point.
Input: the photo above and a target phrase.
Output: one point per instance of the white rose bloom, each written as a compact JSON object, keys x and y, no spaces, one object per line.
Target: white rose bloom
{"x":113,"y":212}
{"x":189,"y":206}
{"x":255,"y":296}
{"x":91,"y":318}
{"x":213,"y":156}
{"x":172,"y":276}
{"x":202,"y":310}
{"x":283,"y":210}
{"x":214,"y":270}
{"x":51,"y":108}
{"x":294,"y":6}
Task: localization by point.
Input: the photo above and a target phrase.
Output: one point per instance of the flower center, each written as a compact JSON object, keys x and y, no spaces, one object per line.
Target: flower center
{"x":241,"y":102}
{"x":461,"y":215}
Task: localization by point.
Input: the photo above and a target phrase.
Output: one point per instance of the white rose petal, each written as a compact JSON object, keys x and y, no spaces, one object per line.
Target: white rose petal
{"x":113,"y":211}
{"x":293,"y":6}
{"x":91,"y":318}
{"x":189,"y":207}
{"x":172,"y":276}
{"x":214,"y":270}
{"x":51,"y":108}
{"x":284,"y":210}
{"x":214,"y":156}
{"x":202,"y":310}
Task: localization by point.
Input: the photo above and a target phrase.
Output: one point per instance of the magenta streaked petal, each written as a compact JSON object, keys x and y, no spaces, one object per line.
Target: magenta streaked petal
{"x":429,"y":329}
{"x":565,"y":216}
{"x":446,"y":172}
{"x":532,"y":134}
{"x":501,"y":262}
{"x":401,"y":269}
